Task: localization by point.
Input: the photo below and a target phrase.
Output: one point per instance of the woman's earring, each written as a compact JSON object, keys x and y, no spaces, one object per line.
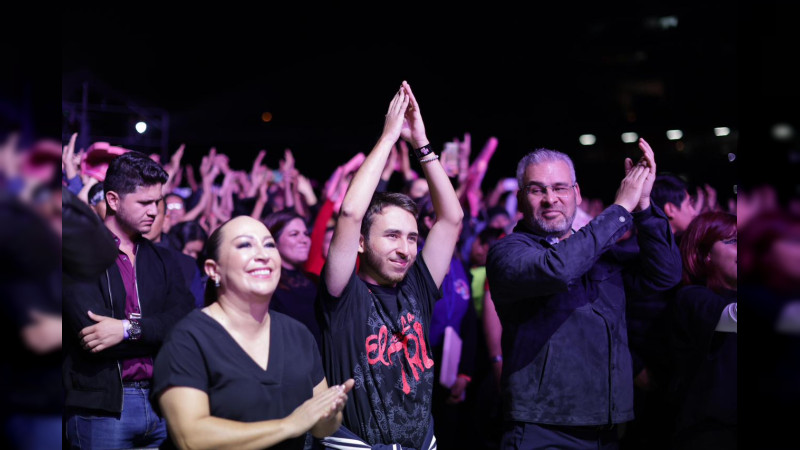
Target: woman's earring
{"x":216,"y":282}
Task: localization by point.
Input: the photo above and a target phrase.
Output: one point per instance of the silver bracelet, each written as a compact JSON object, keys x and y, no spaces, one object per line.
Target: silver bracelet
{"x":428,"y":159}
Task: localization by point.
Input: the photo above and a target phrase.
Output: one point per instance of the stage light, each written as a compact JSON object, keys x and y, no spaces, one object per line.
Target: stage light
{"x":731,"y":157}
{"x":674,"y":135}
{"x":629,"y":137}
{"x":587,"y":139}
{"x":722,"y":131}
{"x":141,"y":127}
{"x":266,"y":117}
{"x":782,"y":131}
{"x":667,"y":22}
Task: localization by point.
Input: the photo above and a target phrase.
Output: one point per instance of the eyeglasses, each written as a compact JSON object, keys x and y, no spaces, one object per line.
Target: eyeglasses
{"x":560,"y":190}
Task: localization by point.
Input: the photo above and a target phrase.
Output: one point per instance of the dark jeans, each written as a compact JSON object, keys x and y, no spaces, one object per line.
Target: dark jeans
{"x":531,"y":436}
{"x":138,"y":425}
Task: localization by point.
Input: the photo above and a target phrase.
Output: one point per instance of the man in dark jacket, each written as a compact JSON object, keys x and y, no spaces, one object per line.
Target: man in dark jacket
{"x":116,"y":322}
{"x":560,"y":296}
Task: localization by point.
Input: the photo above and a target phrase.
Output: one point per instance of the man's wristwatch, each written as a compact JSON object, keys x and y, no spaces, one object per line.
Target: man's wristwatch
{"x":135,"y":330}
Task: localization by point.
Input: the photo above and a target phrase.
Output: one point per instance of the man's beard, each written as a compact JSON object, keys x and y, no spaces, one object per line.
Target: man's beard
{"x":552,"y":228}
{"x":377,"y":265}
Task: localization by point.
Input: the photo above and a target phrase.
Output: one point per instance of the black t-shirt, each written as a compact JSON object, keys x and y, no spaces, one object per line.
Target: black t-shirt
{"x":295,"y":297}
{"x":705,"y":362}
{"x":379,"y":337}
{"x":201,"y":354}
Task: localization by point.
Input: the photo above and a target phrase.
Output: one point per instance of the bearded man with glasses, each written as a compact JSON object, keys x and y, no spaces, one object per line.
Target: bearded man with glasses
{"x":560,"y":295}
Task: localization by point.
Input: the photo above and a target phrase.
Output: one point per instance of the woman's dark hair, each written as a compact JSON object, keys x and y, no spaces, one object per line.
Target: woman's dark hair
{"x":211,"y":251}
{"x":704,"y":231}
{"x":275,"y":222}
{"x":187,"y":232}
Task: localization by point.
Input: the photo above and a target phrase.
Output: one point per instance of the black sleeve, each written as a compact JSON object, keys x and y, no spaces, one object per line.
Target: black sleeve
{"x":659,"y":265}
{"x":180,"y":363}
{"x":88,"y":248}
{"x":179,"y":302}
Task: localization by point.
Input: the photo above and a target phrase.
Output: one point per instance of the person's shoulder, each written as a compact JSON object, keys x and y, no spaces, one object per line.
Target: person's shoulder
{"x":192,"y":320}
{"x":692,"y":290}
{"x":354,"y":286}
{"x":168,"y":255}
{"x":500,"y":247}
{"x":148,"y":248}
{"x":187,"y":263}
{"x":289,"y":326}
{"x":694,"y":295}
{"x":191,"y":326}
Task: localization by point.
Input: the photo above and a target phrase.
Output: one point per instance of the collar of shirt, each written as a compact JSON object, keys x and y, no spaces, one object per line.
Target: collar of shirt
{"x":550,"y":239}
{"x":118,"y":242}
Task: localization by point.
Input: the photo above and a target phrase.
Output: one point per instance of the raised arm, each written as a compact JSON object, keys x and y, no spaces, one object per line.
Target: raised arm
{"x":173,"y":168}
{"x":659,"y":262}
{"x":344,"y":245}
{"x":441,"y":242}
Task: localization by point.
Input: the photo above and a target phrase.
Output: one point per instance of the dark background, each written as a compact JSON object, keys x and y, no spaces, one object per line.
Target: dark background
{"x":533,"y":76}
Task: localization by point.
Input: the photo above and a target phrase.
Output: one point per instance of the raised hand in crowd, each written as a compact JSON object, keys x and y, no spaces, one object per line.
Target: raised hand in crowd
{"x":173,"y":168}
{"x":705,"y":199}
{"x":70,"y":159}
{"x":258,"y":174}
{"x":190,"y":179}
{"x":471,"y":187}
{"x":752,"y":202}
{"x":648,"y":162}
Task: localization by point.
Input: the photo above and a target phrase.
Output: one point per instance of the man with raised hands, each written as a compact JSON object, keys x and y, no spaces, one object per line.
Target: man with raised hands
{"x":375,"y":320}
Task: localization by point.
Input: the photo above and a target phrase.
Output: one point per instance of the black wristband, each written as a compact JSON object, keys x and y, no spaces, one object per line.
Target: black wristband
{"x":423,"y":151}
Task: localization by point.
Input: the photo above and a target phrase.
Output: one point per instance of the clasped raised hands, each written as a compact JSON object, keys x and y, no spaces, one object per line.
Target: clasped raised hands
{"x":647,"y":166}
{"x":404,"y":120}
{"x":634,"y":191}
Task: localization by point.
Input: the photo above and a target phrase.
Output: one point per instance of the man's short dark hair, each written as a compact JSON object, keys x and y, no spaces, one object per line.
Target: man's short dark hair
{"x":131,"y":170}
{"x":381,"y":200}
{"x":668,"y":189}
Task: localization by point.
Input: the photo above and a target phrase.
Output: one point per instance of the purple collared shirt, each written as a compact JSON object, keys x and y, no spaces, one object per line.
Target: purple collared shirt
{"x":135,"y":368}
